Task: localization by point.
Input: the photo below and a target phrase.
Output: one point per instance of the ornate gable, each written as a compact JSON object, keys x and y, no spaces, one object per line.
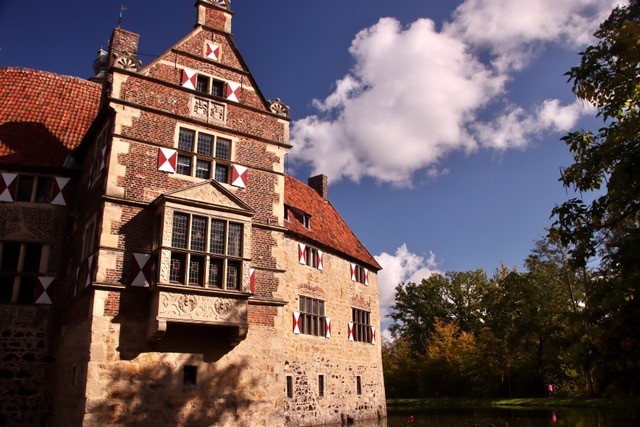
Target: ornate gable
{"x":208,"y":195}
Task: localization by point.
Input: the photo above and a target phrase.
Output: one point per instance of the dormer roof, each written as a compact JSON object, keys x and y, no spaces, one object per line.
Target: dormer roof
{"x":326,"y":228}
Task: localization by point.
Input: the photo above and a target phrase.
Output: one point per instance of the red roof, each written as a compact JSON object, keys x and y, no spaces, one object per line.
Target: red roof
{"x":43,"y":116}
{"x":327,"y":228}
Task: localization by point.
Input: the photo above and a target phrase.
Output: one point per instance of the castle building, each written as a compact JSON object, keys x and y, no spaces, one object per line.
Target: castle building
{"x":157,"y":265}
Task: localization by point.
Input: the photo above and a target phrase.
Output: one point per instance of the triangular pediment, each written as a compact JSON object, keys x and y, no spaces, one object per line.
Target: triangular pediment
{"x":208,"y":194}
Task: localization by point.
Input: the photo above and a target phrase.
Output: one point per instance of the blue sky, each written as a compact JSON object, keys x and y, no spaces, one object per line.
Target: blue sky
{"x":437,"y":122}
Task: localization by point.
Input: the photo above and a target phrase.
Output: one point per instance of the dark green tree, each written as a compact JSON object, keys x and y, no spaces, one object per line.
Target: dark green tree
{"x":607,"y":169}
{"x":609,"y":159}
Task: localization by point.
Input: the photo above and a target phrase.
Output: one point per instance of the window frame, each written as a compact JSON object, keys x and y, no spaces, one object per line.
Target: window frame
{"x":312,"y":322}
{"x":35,"y":188}
{"x":360,"y":274}
{"x":202,"y":255}
{"x":17,"y":275}
{"x":361,"y":320}
{"x":196,"y":156}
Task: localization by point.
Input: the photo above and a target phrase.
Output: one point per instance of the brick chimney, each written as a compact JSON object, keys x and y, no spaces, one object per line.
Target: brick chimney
{"x":215,"y":14}
{"x":320,"y":183}
{"x":123,"y":46}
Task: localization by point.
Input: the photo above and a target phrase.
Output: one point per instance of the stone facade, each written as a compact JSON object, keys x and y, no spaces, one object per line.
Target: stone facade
{"x":184,"y":263}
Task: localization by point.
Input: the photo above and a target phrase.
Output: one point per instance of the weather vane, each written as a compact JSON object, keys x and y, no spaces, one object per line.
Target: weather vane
{"x":122,"y":9}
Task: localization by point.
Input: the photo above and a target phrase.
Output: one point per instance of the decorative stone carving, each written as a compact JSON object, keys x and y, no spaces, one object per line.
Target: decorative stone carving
{"x":279,"y":108}
{"x":208,"y":110}
{"x":127,"y":62}
{"x":188,"y":308}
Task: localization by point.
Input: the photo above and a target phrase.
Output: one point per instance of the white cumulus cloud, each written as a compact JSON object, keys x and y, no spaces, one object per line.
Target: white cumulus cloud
{"x":402,"y":267}
{"x":513,"y":29}
{"x":415,"y":94}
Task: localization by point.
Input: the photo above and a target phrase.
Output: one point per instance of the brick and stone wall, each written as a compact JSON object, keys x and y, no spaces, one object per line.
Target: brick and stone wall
{"x":26,"y":365}
{"x":337,"y":359}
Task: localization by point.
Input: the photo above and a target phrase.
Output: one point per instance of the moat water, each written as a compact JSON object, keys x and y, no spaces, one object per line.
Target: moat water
{"x":507,"y":417}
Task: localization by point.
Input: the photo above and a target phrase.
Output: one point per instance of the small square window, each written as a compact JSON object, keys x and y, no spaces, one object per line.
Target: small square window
{"x":189,"y":375}
{"x":321,"y":385}
{"x":217,"y":88}
{"x":202,"y":84}
{"x":185,"y":139}
{"x":222,"y":173}
{"x":25,"y":188}
{"x":205,"y":142}
{"x":203,"y":169}
{"x":289,"y":386}
{"x":223,"y":149}
{"x":184,"y":165}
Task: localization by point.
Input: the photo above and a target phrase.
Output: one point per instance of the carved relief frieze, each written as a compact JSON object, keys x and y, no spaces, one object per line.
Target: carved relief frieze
{"x":208,"y":110}
{"x":202,"y":308}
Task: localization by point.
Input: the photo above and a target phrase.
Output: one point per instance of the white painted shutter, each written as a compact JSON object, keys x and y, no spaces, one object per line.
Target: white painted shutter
{"x":350,"y":331}
{"x":8,"y":183}
{"x":302,"y":253}
{"x":59,"y":194}
{"x":232,"y":91}
{"x":327,"y":327}
{"x":373,"y":335}
{"x":189,"y":78}
{"x":239,"y":176}
{"x":142,"y":270}
{"x":167,"y":160}
{"x":252,"y":280}
{"x":44,"y":290}
{"x":353,"y":272}
{"x":296,"y":322}
{"x":320,"y":260}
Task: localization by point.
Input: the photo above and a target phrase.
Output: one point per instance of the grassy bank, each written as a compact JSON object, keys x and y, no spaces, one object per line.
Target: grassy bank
{"x":520,"y":402}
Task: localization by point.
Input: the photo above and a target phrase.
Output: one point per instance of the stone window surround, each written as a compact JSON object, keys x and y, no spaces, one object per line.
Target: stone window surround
{"x":164,"y":249}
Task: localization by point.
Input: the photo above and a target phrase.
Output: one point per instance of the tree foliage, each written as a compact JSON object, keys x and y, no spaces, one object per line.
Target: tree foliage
{"x":607,"y":78}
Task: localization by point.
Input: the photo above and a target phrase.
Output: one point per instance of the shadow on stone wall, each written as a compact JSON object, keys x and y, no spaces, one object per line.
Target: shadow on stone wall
{"x":160,"y":395}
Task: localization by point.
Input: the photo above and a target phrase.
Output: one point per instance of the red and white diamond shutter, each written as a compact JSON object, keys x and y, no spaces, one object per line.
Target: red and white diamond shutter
{"x":232,"y":91}
{"x":327,"y":327}
{"x":366,"y":276}
{"x":296,"y":322}
{"x":8,"y":184}
{"x":167,"y":160}
{"x":239,"y":176}
{"x":302,"y":253}
{"x":142,"y":270}
{"x":252,"y":280}
{"x":353,"y":272}
{"x":212,"y":51}
{"x":373,"y":335}
{"x":350,"y":331}
{"x":60,"y":192}
{"x":320,"y":260}
{"x":189,"y":78}
{"x":45,"y":290}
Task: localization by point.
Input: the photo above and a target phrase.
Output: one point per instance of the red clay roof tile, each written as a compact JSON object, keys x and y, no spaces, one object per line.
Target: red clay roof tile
{"x":43,"y":116}
{"x":327,"y":226}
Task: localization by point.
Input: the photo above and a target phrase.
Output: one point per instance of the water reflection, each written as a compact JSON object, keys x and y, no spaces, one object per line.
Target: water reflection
{"x":506,"y":417}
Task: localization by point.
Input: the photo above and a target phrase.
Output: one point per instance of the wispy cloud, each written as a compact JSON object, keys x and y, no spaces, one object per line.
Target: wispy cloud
{"x":415,"y":94}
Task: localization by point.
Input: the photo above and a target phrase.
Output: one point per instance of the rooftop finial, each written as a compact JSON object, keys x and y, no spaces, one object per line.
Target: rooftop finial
{"x":122,"y":9}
